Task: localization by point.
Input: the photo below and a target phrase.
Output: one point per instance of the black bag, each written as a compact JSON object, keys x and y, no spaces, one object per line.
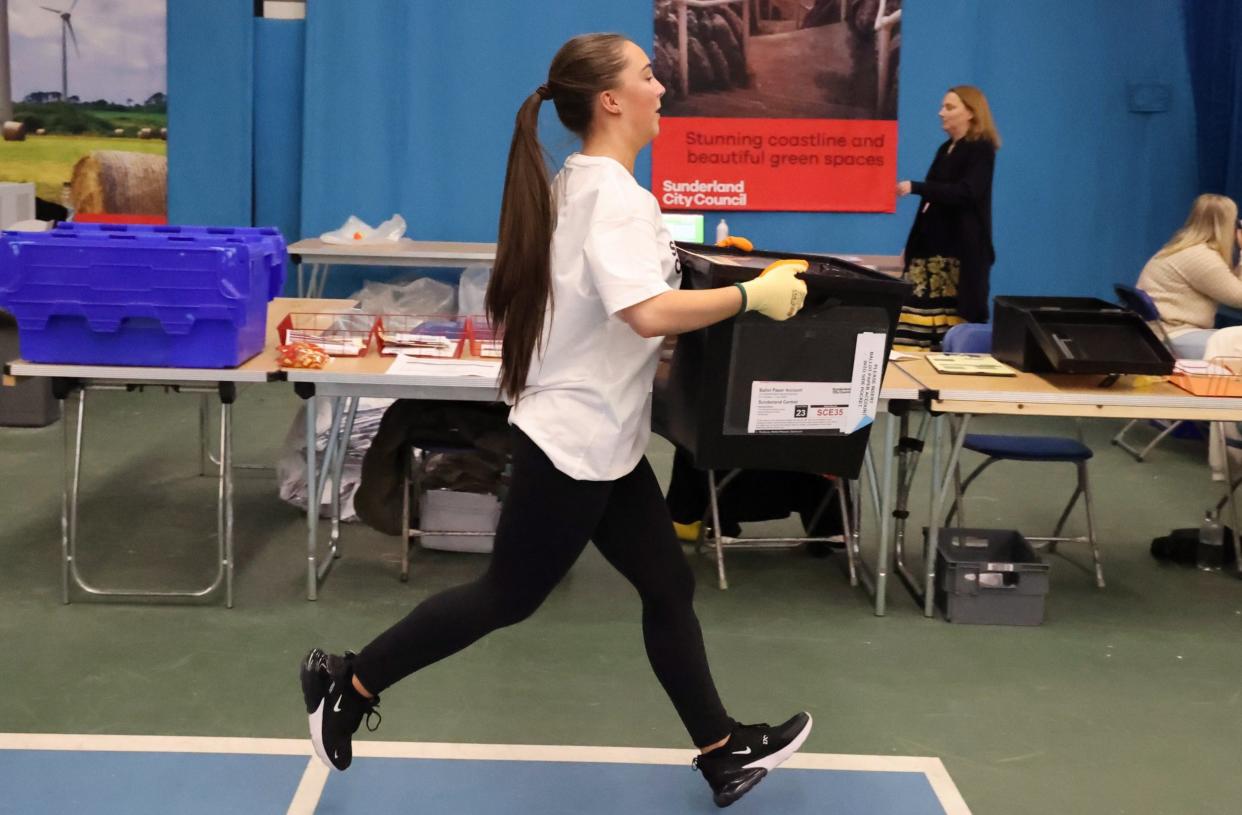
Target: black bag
{"x":1181,"y":546}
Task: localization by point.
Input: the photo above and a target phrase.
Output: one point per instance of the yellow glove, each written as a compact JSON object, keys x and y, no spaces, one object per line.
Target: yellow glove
{"x":737,"y":241}
{"x":776,"y":292}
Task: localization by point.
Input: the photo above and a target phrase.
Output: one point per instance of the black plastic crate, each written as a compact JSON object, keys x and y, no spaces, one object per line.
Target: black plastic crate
{"x":990,"y":577}
{"x":704,"y":404}
{"x":1075,"y":335}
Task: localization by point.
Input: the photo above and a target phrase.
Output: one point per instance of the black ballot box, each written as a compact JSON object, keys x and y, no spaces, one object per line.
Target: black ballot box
{"x":799,"y":394}
{"x":1075,"y":335}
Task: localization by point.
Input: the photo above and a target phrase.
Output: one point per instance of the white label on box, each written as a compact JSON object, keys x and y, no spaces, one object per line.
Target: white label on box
{"x":868,"y":377}
{"x":785,"y":407}
{"x":794,"y":406}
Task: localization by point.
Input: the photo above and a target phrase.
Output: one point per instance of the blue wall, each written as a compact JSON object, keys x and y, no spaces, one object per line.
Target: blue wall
{"x":278,"y":71}
{"x":210,"y":111}
{"x":409,"y":108}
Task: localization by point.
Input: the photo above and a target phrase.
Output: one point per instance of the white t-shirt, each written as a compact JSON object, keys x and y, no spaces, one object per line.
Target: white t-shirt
{"x":587,"y":401}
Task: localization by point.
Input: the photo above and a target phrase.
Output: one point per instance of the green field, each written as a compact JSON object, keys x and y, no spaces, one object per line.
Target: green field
{"x":48,"y":160}
{"x":132,"y":120}
{"x":82,"y":120}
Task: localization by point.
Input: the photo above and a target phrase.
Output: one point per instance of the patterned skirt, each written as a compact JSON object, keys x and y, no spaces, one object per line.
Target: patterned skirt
{"x":932,"y":308}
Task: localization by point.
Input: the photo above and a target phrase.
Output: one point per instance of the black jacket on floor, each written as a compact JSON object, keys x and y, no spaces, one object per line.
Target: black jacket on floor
{"x":481,"y":426}
{"x":753,"y":495}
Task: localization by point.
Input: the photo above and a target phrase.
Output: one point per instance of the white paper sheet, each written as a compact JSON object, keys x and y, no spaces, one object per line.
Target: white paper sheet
{"x":405,"y":365}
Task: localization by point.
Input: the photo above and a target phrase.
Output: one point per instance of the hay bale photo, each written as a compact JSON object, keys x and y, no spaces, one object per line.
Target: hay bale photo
{"x":144,"y":133}
{"x":828,"y":59}
{"x":120,"y":131}
{"x":41,"y":131}
{"x":113,"y":181}
{"x":14,"y":131}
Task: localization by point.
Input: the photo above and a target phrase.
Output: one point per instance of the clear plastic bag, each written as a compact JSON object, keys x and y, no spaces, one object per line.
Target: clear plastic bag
{"x":472,"y":289}
{"x":357,"y":231}
{"x":291,"y":466}
{"x":419,"y":296}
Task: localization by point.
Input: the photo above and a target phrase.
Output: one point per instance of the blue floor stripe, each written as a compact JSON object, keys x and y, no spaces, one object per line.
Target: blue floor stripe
{"x":142,"y":783}
{"x":108,"y":783}
{"x":562,"y":788}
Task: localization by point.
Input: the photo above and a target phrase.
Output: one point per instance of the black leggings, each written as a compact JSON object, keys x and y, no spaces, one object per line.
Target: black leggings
{"x":545,"y":524}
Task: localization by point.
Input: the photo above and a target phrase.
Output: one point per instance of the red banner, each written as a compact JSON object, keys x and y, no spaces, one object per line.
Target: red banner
{"x":805,"y":165}
{"x":779,"y":105}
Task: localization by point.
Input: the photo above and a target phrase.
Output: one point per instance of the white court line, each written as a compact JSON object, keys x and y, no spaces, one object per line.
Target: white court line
{"x":946,"y":791}
{"x":155,"y":744}
{"x":310,"y":788}
{"x":316,"y":773}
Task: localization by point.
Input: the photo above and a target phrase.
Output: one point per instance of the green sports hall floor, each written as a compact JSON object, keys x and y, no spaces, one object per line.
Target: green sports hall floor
{"x":1127,"y":700}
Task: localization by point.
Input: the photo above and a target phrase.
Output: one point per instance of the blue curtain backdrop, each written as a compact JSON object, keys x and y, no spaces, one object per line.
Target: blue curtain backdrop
{"x":427,"y":92}
{"x":210,"y":111}
{"x":1215,"y":58}
{"x":408,"y":105}
{"x":278,"y":49}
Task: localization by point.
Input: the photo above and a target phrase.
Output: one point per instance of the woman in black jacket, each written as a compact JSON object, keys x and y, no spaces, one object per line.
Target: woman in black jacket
{"x":949,"y":252}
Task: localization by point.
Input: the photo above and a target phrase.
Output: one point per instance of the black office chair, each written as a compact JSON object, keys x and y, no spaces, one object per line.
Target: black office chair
{"x":1140,"y":302}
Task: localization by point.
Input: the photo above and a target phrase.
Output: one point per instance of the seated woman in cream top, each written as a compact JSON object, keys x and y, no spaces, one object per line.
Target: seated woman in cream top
{"x":1192,"y":274}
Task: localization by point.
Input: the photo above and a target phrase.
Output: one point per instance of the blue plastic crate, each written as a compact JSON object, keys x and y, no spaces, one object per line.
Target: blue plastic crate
{"x":136,"y":298}
{"x":268,"y":236}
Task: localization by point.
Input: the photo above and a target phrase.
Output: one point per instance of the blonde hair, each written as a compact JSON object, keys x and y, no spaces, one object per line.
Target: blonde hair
{"x":981,"y":124}
{"x":1211,"y":222}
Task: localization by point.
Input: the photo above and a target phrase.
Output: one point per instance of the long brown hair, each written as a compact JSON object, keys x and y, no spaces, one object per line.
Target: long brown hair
{"x":982,"y":125}
{"x":519,"y":291}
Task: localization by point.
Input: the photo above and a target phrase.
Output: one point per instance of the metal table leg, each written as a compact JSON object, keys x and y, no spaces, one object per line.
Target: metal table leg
{"x":342,"y":449}
{"x":860,"y":570}
{"x":886,"y":515}
{"x":1231,"y":498}
{"x":69,"y":494}
{"x":225,"y":497}
{"x":70,"y":572}
{"x":204,"y":454}
{"x":943,"y":485}
{"x":873,"y":481}
{"x":721,"y":579}
{"x":312,"y":492}
{"x":318,"y":279}
{"x":318,"y":475}
{"x":310,"y":283}
{"x":909,"y":451}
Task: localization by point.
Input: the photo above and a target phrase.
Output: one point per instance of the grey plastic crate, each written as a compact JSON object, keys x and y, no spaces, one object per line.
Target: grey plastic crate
{"x":990,"y":577}
{"x":451,"y":511}
{"x":30,"y":403}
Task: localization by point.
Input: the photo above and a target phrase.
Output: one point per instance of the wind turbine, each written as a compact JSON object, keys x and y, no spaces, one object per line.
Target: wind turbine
{"x":6,"y":86}
{"x":66,"y":29}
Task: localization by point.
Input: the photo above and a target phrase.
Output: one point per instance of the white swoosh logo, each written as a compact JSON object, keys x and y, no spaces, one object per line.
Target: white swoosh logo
{"x":745,"y":752}
{"x":337,"y":707}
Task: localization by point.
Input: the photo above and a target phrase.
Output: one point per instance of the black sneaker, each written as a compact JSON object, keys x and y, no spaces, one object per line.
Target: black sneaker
{"x":752,"y":750}
{"x":334,"y":708}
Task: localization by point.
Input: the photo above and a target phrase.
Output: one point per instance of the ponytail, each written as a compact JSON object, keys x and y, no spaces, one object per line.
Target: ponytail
{"x":520,"y":288}
{"x":519,"y":293}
